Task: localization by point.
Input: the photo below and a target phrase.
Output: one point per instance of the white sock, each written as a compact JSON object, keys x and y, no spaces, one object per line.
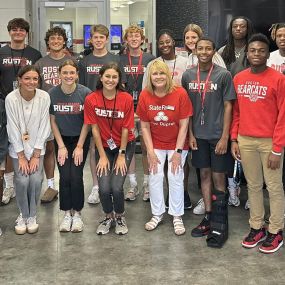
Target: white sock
{"x":67,"y":213}
{"x":50,"y":183}
{"x":231,"y":182}
{"x":9,"y":179}
{"x":145,"y":179}
{"x":133,"y":180}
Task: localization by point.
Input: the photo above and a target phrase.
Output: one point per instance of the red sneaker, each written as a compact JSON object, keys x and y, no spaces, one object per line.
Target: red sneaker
{"x":272,"y":243}
{"x":254,"y":238}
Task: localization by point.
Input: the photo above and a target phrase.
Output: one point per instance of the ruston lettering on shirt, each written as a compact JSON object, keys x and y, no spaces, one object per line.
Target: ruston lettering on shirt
{"x":161,"y":107}
{"x":193,"y":85}
{"x":108,"y":113}
{"x":17,"y":61}
{"x":50,"y":75}
{"x":252,"y":90}
{"x":93,"y":68}
{"x":136,"y":69}
{"x":68,"y":108}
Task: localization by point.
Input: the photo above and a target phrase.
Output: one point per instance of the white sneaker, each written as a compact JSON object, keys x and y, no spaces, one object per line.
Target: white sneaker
{"x":200,"y":208}
{"x":247,"y":205}
{"x":8,"y":194}
{"x":94,"y":196}
{"x":65,"y":225}
{"x":145,"y":192}
{"x":233,"y":197}
{"x":32,"y":225}
{"x":132,"y":194}
{"x":77,"y":224}
{"x":20,"y":226}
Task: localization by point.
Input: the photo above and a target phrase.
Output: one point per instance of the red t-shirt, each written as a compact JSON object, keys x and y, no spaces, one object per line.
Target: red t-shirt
{"x":164,"y":115}
{"x":120,"y":116}
{"x":260,"y":109}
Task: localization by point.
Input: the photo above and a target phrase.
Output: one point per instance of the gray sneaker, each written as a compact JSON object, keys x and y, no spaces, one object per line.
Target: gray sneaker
{"x":121,"y":226}
{"x":104,"y":226}
{"x":145,"y":192}
{"x":132,"y":194}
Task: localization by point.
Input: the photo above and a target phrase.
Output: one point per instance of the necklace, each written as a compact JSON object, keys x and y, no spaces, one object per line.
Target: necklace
{"x":25,"y":136}
{"x":238,"y":51}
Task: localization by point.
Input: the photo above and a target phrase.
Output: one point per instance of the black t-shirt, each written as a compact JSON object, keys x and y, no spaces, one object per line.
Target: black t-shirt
{"x":11,"y":61}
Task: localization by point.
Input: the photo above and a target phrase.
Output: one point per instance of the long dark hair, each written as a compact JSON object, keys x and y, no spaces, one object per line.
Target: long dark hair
{"x":228,"y":53}
{"x":110,"y":65}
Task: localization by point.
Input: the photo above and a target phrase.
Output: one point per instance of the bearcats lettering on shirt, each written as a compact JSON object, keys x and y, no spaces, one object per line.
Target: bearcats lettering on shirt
{"x":108,"y":113}
{"x":252,"y":90}
{"x":17,"y":61}
{"x":68,"y":108}
{"x":50,"y":75}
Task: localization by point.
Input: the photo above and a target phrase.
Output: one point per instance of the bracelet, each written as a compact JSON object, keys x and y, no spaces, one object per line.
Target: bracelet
{"x":234,"y":141}
{"x":276,"y":153}
{"x":62,"y":147}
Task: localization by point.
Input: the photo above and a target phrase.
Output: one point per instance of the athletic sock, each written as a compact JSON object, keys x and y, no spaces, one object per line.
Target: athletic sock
{"x":50,"y":182}
{"x":9,"y":179}
{"x":145,"y":178}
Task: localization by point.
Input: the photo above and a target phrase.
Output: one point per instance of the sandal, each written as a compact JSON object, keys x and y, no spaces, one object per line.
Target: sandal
{"x":153,"y":223}
{"x":179,"y":228}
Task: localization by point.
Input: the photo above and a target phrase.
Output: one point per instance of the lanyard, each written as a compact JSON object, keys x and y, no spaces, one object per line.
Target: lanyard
{"x":138,"y":70}
{"x":173,"y":70}
{"x":16,"y":70}
{"x":203,"y":94}
{"x":110,"y":124}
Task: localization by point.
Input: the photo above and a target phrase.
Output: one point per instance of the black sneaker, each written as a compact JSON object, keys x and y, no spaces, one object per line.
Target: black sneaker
{"x":202,"y":229}
{"x":254,"y":238}
{"x":187,"y":201}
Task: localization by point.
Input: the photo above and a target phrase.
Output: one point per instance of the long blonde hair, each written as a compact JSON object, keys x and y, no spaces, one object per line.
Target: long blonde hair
{"x":159,"y":65}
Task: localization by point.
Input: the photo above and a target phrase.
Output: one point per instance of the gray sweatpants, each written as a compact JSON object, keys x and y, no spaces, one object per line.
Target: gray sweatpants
{"x":28,"y":189}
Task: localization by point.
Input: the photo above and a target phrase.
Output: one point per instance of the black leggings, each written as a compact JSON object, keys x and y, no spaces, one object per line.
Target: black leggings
{"x":71,"y":188}
{"x":111,"y":185}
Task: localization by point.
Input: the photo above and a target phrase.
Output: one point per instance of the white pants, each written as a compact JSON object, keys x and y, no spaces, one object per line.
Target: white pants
{"x":176,"y":186}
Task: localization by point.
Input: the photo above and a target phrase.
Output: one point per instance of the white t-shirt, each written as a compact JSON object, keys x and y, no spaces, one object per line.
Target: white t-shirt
{"x":276,"y":61}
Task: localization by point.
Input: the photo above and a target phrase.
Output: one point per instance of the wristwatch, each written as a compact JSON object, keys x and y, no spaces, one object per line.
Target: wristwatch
{"x":122,"y":151}
{"x":178,"y":150}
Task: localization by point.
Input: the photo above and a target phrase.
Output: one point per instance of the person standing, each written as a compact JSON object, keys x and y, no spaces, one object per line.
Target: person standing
{"x":12,"y":57}
{"x":164,"y":110}
{"x":234,"y":55}
{"x":28,"y":128}
{"x":211,"y":91}
{"x":110,"y":111}
{"x":258,"y":140}
{"x":71,"y":143}
{"x":89,"y":68}
{"x":48,"y":65}
{"x":134,"y":62}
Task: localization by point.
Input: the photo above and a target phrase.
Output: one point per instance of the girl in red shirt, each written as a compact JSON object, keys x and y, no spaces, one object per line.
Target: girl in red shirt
{"x":164,"y":110}
{"x":110,"y":111}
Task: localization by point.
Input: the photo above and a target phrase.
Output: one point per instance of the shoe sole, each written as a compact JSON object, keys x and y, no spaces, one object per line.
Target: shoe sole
{"x":64,"y":231}
{"x":77,"y":231}
{"x":271,"y":251}
{"x":253,"y":245}
{"x":120,"y":233}
{"x":32,"y":231}
{"x":20,"y":232}
{"x":199,"y":213}
{"x":101,"y":233}
{"x":200,"y":235}
{"x":49,"y":201}
{"x":93,"y":203}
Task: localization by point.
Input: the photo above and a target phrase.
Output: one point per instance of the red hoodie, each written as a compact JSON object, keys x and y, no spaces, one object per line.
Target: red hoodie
{"x":259,"y":110}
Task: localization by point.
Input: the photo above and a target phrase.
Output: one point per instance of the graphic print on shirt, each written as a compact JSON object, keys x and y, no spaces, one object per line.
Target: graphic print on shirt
{"x":163,"y":116}
{"x":50,"y":75}
{"x":93,"y":68}
{"x":109,"y":113}
{"x":193,"y":86}
{"x":16,"y":61}
{"x":68,"y":108}
{"x":252,"y":90}
{"x":135,"y":69}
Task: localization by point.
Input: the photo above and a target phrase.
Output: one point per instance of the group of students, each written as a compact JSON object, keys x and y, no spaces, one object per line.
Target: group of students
{"x":225,"y":106}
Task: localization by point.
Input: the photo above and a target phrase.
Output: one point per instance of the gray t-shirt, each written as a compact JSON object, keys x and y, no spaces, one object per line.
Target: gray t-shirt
{"x":220,"y":89}
{"x":134,"y":77}
{"x":90,"y":66}
{"x":49,"y":70}
{"x":68,"y":109}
